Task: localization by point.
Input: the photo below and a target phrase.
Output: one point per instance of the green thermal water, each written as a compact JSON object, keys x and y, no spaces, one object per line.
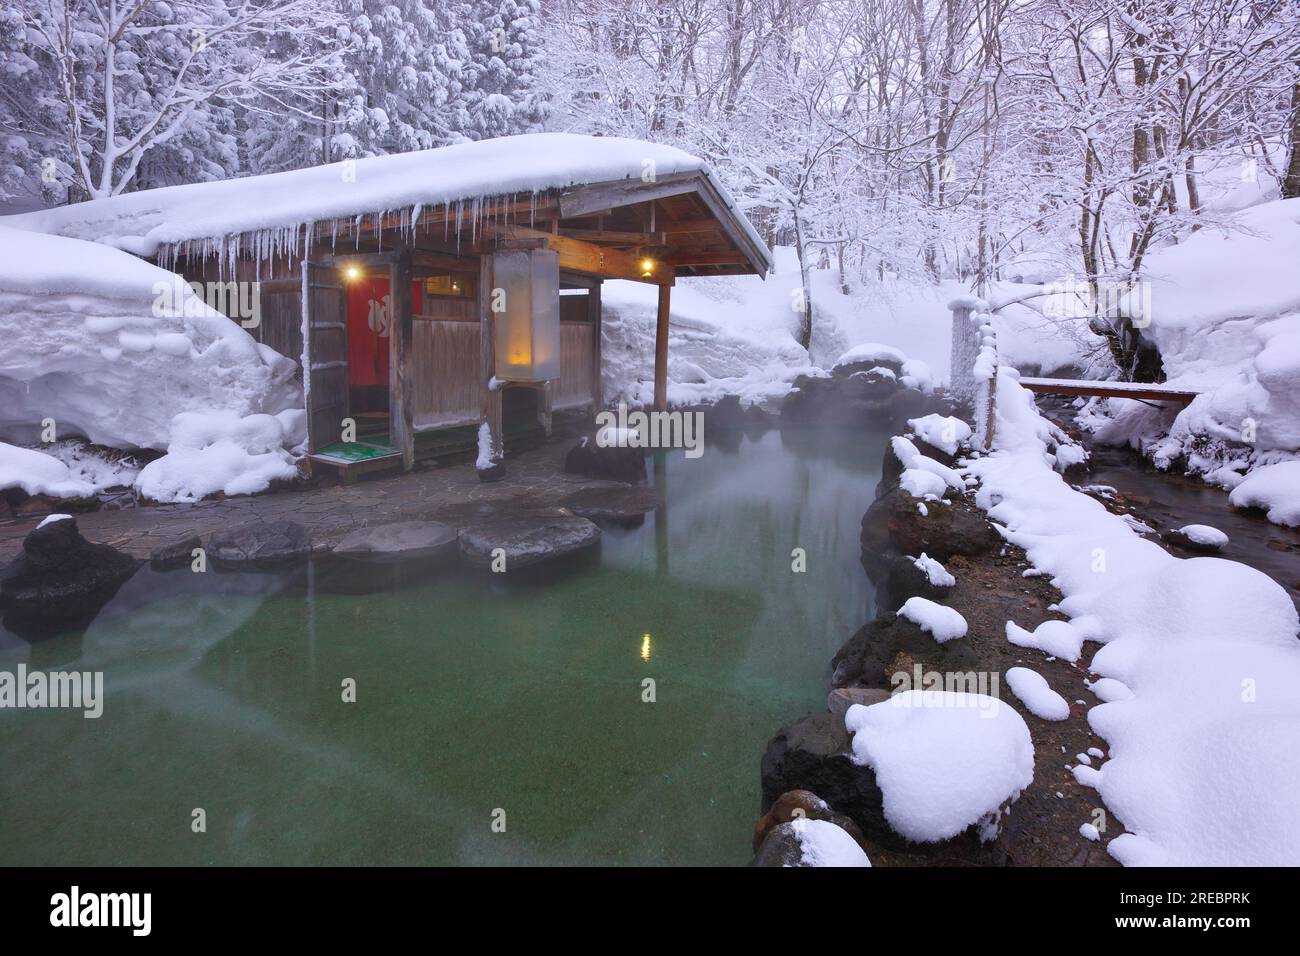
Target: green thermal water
{"x":473,"y":694}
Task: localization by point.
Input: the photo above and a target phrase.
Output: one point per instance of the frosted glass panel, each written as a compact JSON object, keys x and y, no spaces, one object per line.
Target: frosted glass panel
{"x":528,"y":330}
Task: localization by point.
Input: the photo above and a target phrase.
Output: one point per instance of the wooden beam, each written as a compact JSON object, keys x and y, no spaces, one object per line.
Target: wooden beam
{"x":706,"y":259}
{"x":1138,"y":391}
{"x":401,"y":361}
{"x":613,"y":235}
{"x":661,"y":349}
{"x":583,"y":257}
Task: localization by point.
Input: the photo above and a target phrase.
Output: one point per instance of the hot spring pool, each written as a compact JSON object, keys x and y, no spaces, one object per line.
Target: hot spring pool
{"x":474,"y":695}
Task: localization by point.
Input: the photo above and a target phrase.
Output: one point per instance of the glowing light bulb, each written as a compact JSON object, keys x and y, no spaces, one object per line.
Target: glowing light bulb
{"x":647,"y":268}
{"x":645,"y":647}
{"x":352,"y":273}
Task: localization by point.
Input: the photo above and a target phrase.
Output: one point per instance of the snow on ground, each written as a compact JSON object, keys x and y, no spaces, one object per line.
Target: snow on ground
{"x":938,"y":620}
{"x":824,"y":844}
{"x":1205,"y":750}
{"x":112,"y":348}
{"x":39,"y":474}
{"x":1036,"y":694}
{"x":943,"y":760}
{"x":1054,"y":638}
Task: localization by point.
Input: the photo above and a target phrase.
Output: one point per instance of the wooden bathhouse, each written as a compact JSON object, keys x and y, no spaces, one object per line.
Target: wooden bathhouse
{"x":440,"y":290}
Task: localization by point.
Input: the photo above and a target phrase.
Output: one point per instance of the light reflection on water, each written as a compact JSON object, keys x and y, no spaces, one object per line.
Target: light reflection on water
{"x":472,"y":693}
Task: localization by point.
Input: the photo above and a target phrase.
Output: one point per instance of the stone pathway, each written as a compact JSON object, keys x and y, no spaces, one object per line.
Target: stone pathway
{"x":330,"y":511}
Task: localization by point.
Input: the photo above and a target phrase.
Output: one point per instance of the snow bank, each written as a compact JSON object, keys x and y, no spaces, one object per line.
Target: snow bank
{"x":824,"y":844}
{"x":943,"y":760}
{"x":870,"y":352}
{"x":1205,"y":749}
{"x":1036,"y":694}
{"x":1225,"y":315}
{"x":222,"y":453}
{"x":112,"y":348}
{"x":39,"y":474}
{"x":938,"y":620}
{"x":1275,"y":488}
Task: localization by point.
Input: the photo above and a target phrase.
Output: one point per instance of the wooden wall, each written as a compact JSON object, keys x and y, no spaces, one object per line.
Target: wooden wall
{"x":448,"y":385}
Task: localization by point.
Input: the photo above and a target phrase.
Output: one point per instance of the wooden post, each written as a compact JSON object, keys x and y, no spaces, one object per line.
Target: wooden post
{"x":597,"y":387}
{"x":661,"y":349}
{"x":491,"y":403}
{"x":401,"y":378}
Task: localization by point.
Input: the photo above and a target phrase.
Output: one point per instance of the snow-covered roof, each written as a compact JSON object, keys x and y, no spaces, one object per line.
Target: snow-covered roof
{"x":287,"y":204}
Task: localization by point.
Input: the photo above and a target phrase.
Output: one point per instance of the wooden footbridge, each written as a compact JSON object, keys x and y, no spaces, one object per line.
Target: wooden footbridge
{"x":1139,"y":391}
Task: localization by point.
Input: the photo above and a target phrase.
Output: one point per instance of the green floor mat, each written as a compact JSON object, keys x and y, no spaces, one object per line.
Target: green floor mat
{"x":355,"y":451}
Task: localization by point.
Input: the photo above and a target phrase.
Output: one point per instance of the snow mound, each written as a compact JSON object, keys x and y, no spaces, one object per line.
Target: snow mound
{"x":1274,"y":488}
{"x":911,"y":457}
{"x":112,"y":348}
{"x":922,"y":484}
{"x":1204,"y":535}
{"x":943,"y":760}
{"x":221,"y":453}
{"x":1054,"y":638}
{"x":1037,"y":695}
{"x":936,"y":573}
{"x":870,"y":352}
{"x":822,"y":843}
{"x":39,"y":474}
{"x":941,"y":431}
{"x":939,"y":621}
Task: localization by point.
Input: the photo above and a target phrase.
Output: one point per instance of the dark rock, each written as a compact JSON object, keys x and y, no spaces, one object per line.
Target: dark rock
{"x":806,"y":805}
{"x":260,"y":544}
{"x":527,"y":539}
{"x":1181,"y":539}
{"x":814,"y":753}
{"x":401,"y":539}
{"x":493,"y":472}
{"x":884,"y":647}
{"x":782,"y":846}
{"x":839,"y":700}
{"x":874,"y":384}
{"x":903,"y":580}
{"x":617,"y":506}
{"x":849,"y":369}
{"x":60,"y":581}
{"x":177,"y":553}
{"x":947,"y":529}
{"x":614,"y":462}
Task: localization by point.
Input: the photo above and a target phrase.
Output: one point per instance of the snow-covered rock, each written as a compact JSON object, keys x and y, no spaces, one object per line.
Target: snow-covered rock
{"x":935,"y":573}
{"x":943,"y":760}
{"x":113,"y":348}
{"x":940,"y":621}
{"x":824,"y":844}
{"x":941,"y":431}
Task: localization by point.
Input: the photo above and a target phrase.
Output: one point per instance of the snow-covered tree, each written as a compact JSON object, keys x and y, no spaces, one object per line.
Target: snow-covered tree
{"x":151,"y":89}
{"x":500,"y":87}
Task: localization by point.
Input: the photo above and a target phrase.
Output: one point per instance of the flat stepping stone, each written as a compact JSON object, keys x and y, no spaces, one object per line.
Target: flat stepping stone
{"x":177,"y":553}
{"x":611,"y":504}
{"x":400,"y":539}
{"x":260,"y":544}
{"x":527,"y":539}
